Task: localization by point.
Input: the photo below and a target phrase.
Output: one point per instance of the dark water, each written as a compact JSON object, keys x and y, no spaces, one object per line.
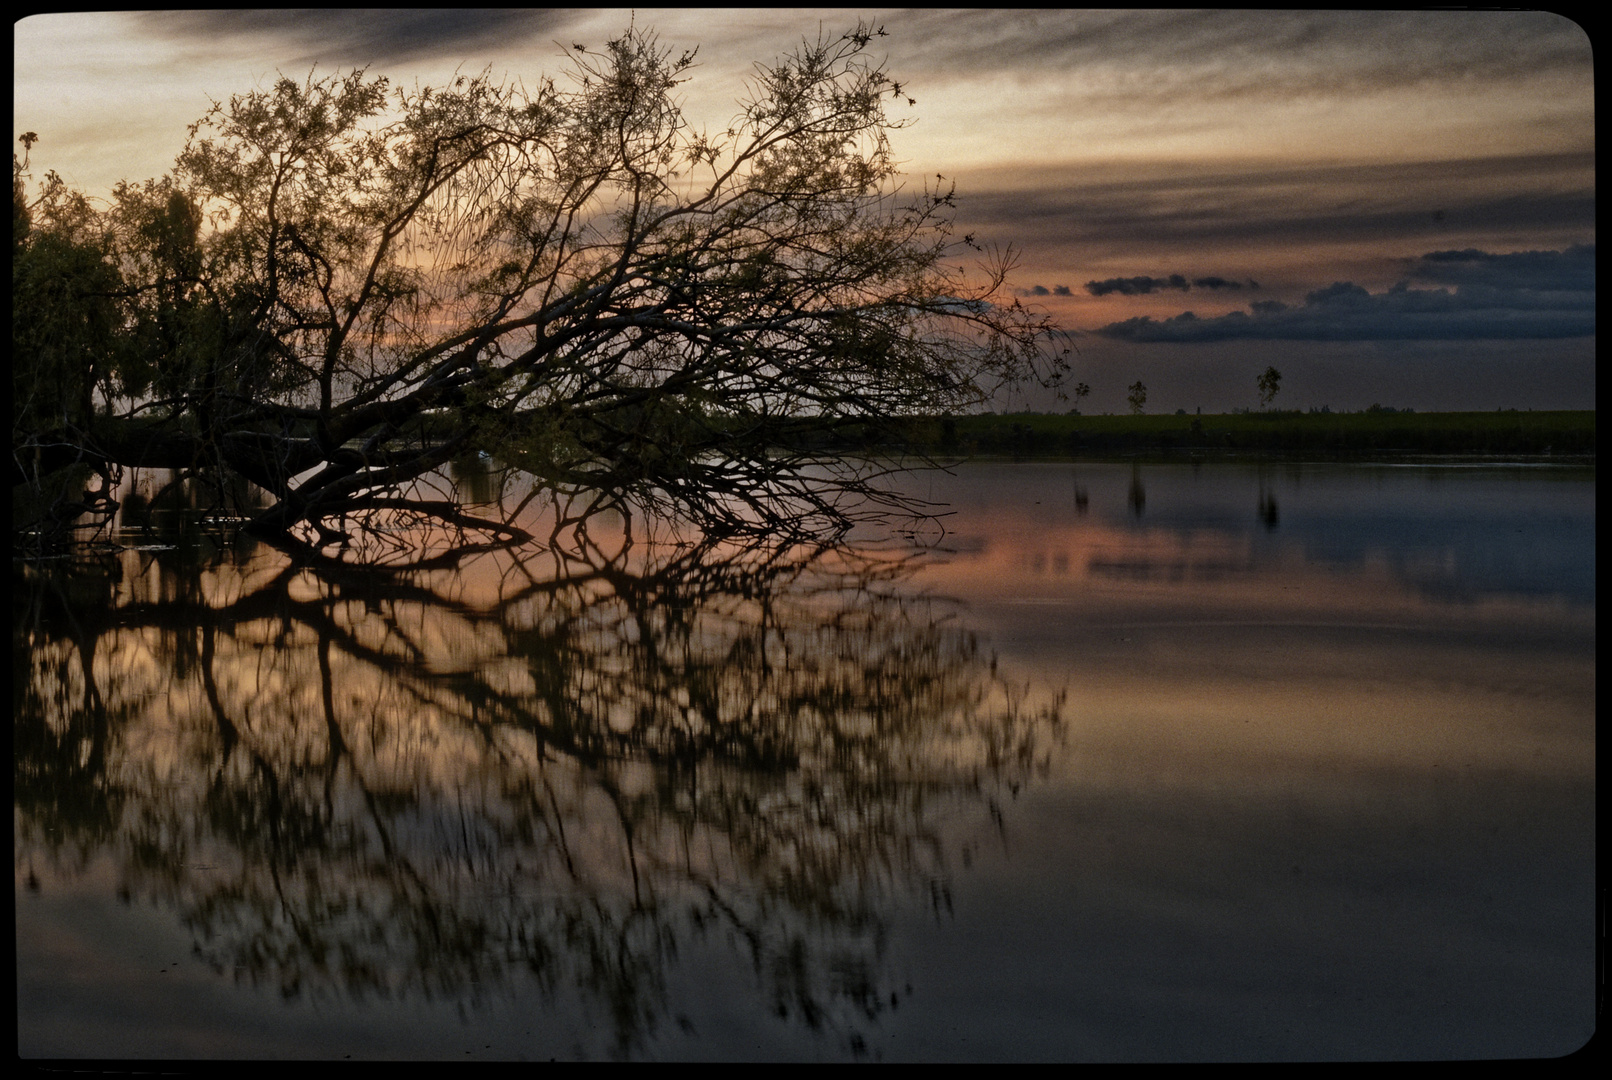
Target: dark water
{"x":1164,"y":763}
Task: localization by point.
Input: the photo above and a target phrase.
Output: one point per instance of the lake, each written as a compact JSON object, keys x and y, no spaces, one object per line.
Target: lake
{"x":1157,"y":762}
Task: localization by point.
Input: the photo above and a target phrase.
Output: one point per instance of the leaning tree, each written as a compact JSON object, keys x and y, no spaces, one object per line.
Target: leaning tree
{"x":342,"y":287}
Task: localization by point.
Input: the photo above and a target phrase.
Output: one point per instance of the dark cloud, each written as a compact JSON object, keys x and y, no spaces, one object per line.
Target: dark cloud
{"x":1527,"y":294}
{"x":1570,"y":270}
{"x":1136,"y":286}
{"x":362,"y":36}
{"x":1061,"y":290}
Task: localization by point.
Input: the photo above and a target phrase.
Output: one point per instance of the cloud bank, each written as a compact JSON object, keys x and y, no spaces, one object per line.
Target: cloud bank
{"x":1524,"y":294}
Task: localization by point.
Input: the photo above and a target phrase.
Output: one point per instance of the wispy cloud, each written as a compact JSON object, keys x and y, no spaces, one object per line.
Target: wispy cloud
{"x":1155,"y":209}
{"x":1527,"y":294}
{"x":1137,"y":59}
{"x":1132,"y":61}
{"x":365,"y":36}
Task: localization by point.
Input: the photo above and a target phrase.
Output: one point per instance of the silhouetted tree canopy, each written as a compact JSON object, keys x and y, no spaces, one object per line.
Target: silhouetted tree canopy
{"x":1269,"y":383}
{"x":344,"y":285}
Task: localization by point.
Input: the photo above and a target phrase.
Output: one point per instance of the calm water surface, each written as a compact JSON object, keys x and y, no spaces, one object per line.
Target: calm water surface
{"x":1158,"y":762}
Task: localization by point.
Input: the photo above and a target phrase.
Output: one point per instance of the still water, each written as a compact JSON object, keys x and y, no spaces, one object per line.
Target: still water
{"x":1135,"y":763}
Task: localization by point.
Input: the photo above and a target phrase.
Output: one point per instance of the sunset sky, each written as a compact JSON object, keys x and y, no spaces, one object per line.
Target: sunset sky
{"x":1390,"y":207}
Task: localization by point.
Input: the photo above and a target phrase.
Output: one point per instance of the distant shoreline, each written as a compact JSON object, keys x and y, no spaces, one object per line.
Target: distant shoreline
{"x":1566,"y":434}
{"x":1547,"y":436}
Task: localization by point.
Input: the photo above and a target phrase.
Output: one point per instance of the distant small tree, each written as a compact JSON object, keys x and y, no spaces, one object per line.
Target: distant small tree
{"x":1269,"y":384}
{"x":1080,"y":391}
{"x":1138,"y":397}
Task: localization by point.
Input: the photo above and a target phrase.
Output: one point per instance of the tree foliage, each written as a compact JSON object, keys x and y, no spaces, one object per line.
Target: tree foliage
{"x":1137,"y":396}
{"x":1269,"y":383}
{"x":344,"y":285}
{"x":64,"y":335}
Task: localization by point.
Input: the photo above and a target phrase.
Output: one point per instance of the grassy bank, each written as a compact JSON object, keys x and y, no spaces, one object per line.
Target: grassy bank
{"x":1032,"y":435}
{"x":1053,"y":436}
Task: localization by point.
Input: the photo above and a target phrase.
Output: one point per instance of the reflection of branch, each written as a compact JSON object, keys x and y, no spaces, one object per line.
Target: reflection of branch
{"x":228,"y":733}
{"x":773,"y":731}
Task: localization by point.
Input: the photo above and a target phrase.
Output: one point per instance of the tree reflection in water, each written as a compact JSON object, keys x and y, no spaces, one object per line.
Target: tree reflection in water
{"x":368,"y":783}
